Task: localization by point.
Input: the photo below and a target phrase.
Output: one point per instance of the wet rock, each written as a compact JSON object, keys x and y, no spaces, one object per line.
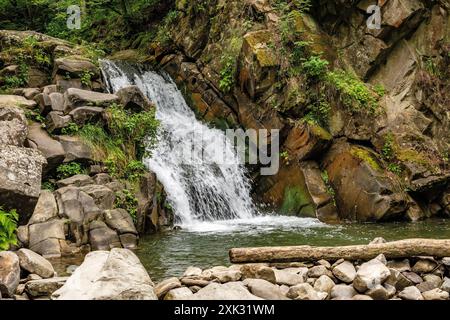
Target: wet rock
{"x":114,"y":275}
{"x":362,"y":191}
{"x":50,"y":148}
{"x":370,"y":274}
{"x":129,"y":241}
{"x":192,"y":271}
{"x":165,"y":286}
{"x":20,"y":181}
{"x":345,"y":272}
{"x":435,"y":294}
{"x":44,"y":287}
{"x":132,"y":98}
{"x":226,"y":291}
{"x":305,"y":291}
{"x":13,"y":126}
{"x":342,"y":291}
{"x":264,"y":289}
{"x":46,"y":208}
{"x":78,"y":180}
{"x":410,"y":293}
{"x":178,"y":294}
{"x":288,"y":278}
{"x":101,"y":237}
{"x":9,"y":273}
{"x":34,"y":263}
{"x":305,"y":141}
{"x":257,"y":271}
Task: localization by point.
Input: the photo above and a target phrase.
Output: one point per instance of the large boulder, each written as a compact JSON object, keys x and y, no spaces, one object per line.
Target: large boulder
{"x":104,"y":197}
{"x":45,"y":237}
{"x":35,"y":264}
{"x":46,"y":208}
{"x":20,"y":179}
{"x":76,"y":66}
{"x":75,"y":149}
{"x":363,"y":190}
{"x":16,"y":101}
{"x":44,"y":287}
{"x":114,"y":275}
{"x":9,"y":273}
{"x":79,"y":98}
{"x":51,"y":149}
{"x":132,"y":98}
{"x":101,"y":237}
{"x":119,"y":220}
{"x":370,"y":274}
{"x":83,"y":115}
{"x":13,"y":126}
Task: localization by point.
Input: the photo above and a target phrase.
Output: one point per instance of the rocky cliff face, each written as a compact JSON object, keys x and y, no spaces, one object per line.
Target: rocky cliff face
{"x":367,"y":109}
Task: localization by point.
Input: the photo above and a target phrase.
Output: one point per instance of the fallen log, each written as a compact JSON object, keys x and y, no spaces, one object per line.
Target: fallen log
{"x":392,"y":250}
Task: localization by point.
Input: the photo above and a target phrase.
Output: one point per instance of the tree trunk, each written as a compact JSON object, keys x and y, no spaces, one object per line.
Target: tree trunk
{"x":392,"y":250}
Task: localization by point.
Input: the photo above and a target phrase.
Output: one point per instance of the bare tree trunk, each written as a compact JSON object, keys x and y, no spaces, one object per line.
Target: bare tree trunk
{"x":395,"y":249}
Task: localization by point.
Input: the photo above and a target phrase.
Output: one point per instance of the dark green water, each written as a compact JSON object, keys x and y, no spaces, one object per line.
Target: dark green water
{"x":207,"y":244}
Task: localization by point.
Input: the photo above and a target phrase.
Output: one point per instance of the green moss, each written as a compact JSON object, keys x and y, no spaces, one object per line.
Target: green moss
{"x":297,"y":202}
{"x":367,"y":157}
{"x":411,"y":155}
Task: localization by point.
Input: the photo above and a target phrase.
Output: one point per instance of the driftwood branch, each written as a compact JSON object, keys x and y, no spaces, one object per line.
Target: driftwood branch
{"x":392,"y":250}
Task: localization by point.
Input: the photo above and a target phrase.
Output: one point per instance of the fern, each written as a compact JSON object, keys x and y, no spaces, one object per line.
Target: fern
{"x":8,"y":226}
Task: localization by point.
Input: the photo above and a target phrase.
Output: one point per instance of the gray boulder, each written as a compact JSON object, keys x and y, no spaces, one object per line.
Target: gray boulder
{"x":44,"y":238}
{"x":114,"y":275}
{"x":83,"y":115}
{"x":132,"y":98}
{"x":9,"y":273}
{"x":20,"y":181}
{"x":81,"y":98}
{"x":410,"y":293}
{"x":75,"y":149}
{"x":50,"y":148}
{"x":46,"y":208}
{"x":165,"y":286}
{"x":178,"y":294}
{"x":104,"y":197}
{"x":56,"y":121}
{"x":305,"y":291}
{"x":342,"y":291}
{"x":78,"y":180}
{"x":370,"y":274}
{"x":44,"y":287}
{"x":435,"y":294}
{"x":34,"y":263}
{"x":264,"y":289}
{"x":13,"y":126}
{"x":120,"y":220}
{"x":101,"y":237}
{"x":16,"y":101}
{"x":345,"y":272}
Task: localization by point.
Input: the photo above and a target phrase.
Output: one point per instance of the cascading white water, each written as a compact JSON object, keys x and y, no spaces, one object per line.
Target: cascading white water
{"x":200,"y":188}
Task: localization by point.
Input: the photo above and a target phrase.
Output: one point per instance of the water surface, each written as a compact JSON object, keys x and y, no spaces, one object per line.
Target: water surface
{"x":207,"y":244}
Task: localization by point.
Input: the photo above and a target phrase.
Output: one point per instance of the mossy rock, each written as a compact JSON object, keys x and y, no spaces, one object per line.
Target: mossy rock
{"x":367,"y":157}
{"x":259,"y":42}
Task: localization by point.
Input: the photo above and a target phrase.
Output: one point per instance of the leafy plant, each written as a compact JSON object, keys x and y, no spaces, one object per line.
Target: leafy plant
{"x":69,"y":169}
{"x":395,"y":168}
{"x":71,"y":129}
{"x":227,"y":74}
{"x":86,"y":78}
{"x":8,"y":227}
{"x":48,"y":185}
{"x":126,"y":200}
{"x":388,"y":147}
{"x":353,"y":92}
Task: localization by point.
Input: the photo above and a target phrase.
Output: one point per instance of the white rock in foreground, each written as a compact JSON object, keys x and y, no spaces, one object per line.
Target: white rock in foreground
{"x":227,"y":291}
{"x":114,"y":275}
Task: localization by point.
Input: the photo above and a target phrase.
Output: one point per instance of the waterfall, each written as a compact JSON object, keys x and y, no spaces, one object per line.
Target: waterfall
{"x":203,"y":188}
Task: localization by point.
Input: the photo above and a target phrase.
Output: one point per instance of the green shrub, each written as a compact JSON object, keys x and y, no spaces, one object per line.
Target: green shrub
{"x":8,"y":227}
{"x":395,"y":168}
{"x":387,"y":151}
{"x":71,"y":129}
{"x":69,"y":169}
{"x":353,"y":92}
{"x":227,"y":74}
{"x":315,"y":67}
{"x":126,"y":200}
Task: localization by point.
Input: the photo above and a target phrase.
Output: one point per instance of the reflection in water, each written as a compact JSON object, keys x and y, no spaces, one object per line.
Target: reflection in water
{"x":207,"y":244}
